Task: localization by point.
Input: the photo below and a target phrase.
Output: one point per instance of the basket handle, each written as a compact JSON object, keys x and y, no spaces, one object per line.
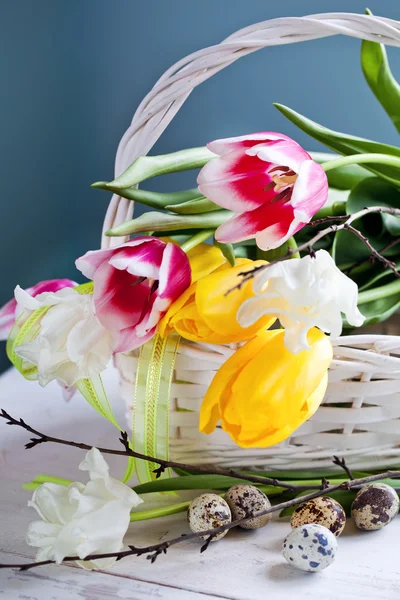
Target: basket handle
{"x":162,"y":103}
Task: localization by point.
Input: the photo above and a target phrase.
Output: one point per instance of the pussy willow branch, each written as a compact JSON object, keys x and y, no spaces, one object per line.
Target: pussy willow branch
{"x":345,"y":222}
{"x":43,"y":438}
{"x":155,"y":550}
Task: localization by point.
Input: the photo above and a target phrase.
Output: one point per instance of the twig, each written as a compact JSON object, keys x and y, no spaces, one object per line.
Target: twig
{"x":308,"y":246}
{"x":152,"y":552}
{"x":372,"y":259}
{"x":374,"y":253}
{"x":340,"y":462}
{"x":43,"y":438}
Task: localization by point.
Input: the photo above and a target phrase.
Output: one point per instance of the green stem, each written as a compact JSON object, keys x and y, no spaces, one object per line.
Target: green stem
{"x":145,"y":167}
{"x":155,"y":513}
{"x":381,"y":159}
{"x":197,"y":239}
{"x":153,"y":199}
{"x":291,"y":244}
{"x":383,"y":291}
{"x":155,"y":221}
{"x":335,"y":209}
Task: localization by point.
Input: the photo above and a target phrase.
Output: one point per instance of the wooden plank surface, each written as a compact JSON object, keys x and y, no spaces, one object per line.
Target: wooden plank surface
{"x":242,"y":566}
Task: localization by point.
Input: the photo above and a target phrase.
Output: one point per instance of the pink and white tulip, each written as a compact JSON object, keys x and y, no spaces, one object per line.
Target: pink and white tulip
{"x":272,"y":184}
{"x":9,"y":312}
{"x":134,"y":285}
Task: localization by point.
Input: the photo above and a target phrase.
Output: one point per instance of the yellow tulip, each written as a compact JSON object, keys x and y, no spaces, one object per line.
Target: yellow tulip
{"x":263,"y":393}
{"x":206,"y":312}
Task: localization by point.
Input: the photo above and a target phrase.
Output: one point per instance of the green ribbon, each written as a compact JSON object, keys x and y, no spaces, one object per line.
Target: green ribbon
{"x":151,"y":406}
{"x":25,"y":329}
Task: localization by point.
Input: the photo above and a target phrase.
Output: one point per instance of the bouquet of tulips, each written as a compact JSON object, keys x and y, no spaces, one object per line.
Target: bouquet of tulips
{"x":274,"y":252}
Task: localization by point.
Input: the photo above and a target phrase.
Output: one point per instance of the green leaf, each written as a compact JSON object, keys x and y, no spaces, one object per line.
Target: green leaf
{"x":227,"y":251}
{"x":155,"y":513}
{"x":195,"y":206}
{"x":145,"y":167}
{"x":346,"y":144}
{"x":342,"y":178}
{"x":376,"y":69}
{"x":378,"y":304}
{"x":189,"y":482}
{"x":155,"y":221}
{"x":153,"y":199}
{"x":379,"y":229}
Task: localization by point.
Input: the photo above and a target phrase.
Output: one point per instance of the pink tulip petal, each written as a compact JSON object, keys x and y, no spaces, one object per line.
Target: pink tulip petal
{"x":310,"y":191}
{"x":175,"y":273}
{"x":287,"y":153}
{"x":273,"y":220}
{"x":223,"y":146}
{"x":7,"y":318}
{"x":119,"y":297}
{"x":89,"y":262}
{"x":8,"y":312}
{"x":128,"y":339}
{"x":236,"y":181}
{"x":143,"y":260}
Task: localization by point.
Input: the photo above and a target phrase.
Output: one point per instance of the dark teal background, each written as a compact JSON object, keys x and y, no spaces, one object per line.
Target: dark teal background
{"x":73,"y":72}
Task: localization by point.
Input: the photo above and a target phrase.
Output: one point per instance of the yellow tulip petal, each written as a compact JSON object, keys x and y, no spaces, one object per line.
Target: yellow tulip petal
{"x":265,"y":392}
{"x":218,"y":305}
{"x":164,"y":326}
{"x":204,"y":259}
{"x":221,"y":380}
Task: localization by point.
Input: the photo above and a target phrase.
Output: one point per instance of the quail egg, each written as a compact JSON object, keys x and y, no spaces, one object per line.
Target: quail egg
{"x":244,"y":500}
{"x":310,"y":547}
{"x":209,"y":511}
{"x":374,"y":506}
{"x":322,"y":510}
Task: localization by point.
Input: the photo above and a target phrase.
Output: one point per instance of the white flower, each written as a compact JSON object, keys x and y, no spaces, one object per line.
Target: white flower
{"x":79,"y":520}
{"x":303,"y":293}
{"x":71,"y":344}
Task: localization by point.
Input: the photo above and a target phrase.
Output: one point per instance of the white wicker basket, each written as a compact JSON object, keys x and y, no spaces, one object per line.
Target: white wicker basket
{"x":364,"y":378}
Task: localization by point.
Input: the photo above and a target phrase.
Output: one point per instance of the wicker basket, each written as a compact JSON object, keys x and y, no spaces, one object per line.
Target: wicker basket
{"x":360,"y":414}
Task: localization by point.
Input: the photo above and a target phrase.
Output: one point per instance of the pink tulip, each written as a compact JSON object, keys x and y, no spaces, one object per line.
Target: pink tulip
{"x":270,"y":181}
{"x":8,"y":312}
{"x":134,"y":284}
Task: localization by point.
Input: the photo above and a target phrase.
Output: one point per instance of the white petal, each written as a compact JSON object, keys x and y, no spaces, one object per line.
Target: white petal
{"x":94,"y":463}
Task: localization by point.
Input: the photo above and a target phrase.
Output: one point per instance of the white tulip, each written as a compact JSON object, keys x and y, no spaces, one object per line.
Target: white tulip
{"x":71,"y":344}
{"x":79,"y":520}
{"x":303,"y":293}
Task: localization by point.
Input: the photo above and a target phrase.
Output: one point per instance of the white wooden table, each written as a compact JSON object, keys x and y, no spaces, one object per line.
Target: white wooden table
{"x":242,"y":566}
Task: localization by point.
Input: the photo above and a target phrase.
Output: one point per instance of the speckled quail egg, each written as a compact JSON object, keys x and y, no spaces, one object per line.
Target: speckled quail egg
{"x":374,"y":506}
{"x":324,"y":511}
{"x":209,"y":511}
{"x":310,"y":547}
{"x":244,"y":500}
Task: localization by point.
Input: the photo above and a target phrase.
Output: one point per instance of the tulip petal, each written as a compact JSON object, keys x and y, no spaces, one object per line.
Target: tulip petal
{"x":263,"y":392}
{"x":175,"y":274}
{"x":142,"y":261}
{"x":205,"y":259}
{"x":7,"y":318}
{"x":270,"y":222}
{"x":310,"y":190}
{"x":128,"y":339}
{"x":218,"y":302}
{"x":119,"y":297}
{"x":222,"y":146}
{"x":91,"y":261}
{"x":287,"y":153}
{"x":9,"y":312}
